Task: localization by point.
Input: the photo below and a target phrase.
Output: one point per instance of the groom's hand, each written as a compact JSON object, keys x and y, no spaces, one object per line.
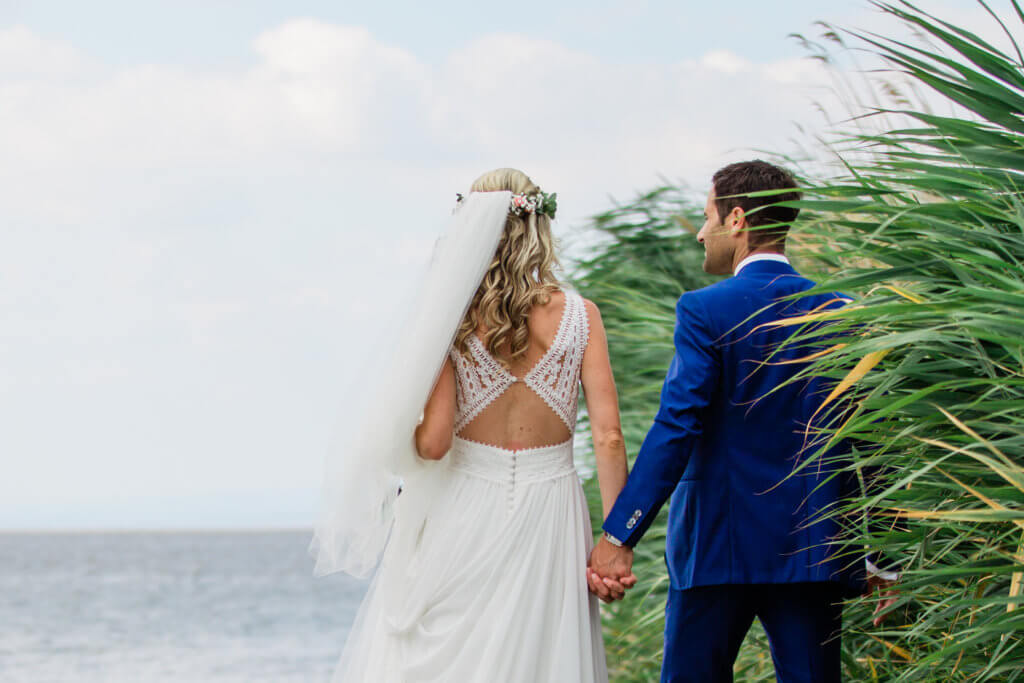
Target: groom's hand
{"x":610,"y":571}
{"x":887,"y":594}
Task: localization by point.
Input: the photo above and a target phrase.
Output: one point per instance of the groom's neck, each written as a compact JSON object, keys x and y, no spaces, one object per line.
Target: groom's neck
{"x":746,"y":251}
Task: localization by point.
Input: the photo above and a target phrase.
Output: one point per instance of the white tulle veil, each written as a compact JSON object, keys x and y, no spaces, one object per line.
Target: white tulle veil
{"x":373,"y":452}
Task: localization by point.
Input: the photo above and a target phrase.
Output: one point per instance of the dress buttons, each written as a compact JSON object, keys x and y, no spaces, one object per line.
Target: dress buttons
{"x":512,"y":482}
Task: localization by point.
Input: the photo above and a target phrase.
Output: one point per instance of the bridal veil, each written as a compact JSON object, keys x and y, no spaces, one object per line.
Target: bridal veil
{"x":373,"y":453}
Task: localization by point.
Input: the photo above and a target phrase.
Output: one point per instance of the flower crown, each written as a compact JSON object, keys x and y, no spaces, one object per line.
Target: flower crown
{"x":540,"y":203}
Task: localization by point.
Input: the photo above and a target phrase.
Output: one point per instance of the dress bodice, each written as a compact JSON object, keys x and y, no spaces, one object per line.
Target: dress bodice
{"x":481,"y":379}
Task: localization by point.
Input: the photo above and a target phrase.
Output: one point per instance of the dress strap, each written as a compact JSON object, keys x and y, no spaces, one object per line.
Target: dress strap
{"x":556,"y":377}
{"x":479,"y":381}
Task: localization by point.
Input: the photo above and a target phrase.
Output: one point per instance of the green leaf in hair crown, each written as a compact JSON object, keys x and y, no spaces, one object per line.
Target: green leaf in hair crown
{"x":548,"y":204}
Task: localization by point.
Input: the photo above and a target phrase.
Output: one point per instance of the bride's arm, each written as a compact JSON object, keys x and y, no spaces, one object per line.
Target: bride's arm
{"x":603,"y":409}
{"x":434,"y":434}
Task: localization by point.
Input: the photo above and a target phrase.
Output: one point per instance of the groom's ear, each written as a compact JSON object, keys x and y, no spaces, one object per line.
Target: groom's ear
{"x":736,"y":221}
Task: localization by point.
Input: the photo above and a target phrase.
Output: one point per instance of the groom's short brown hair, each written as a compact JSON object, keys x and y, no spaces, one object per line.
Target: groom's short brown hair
{"x":733,"y":182}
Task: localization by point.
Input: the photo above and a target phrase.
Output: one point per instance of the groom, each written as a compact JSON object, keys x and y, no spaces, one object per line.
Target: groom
{"x":745,"y":538}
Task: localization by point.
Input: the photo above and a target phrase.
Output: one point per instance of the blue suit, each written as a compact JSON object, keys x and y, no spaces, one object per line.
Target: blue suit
{"x":724,"y":448}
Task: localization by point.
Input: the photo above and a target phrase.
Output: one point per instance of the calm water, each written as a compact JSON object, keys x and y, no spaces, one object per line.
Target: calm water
{"x":155,"y":607}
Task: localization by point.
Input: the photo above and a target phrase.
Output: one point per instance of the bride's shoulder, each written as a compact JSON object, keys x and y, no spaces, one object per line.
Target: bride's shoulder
{"x":557,"y":300}
{"x":546,"y":314}
{"x":591,"y":309}
{"x":555,"y":305}
{"x":553,"y":310}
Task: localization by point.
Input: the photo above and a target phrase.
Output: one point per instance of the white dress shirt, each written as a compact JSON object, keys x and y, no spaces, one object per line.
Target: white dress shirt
{"x":753,"y":258}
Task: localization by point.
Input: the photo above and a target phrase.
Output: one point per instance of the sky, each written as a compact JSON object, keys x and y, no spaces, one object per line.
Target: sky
{"x":203,"y":203}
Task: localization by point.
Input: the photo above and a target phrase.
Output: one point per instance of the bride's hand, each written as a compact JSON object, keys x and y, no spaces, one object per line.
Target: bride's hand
{"x":609,"y":590}
{"x":610,"y":571}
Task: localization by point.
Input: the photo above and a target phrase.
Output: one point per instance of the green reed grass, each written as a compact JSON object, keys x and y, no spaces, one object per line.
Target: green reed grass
{"x":922,"y":227}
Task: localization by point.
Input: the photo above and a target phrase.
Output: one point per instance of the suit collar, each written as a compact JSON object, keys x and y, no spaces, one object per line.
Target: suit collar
{"x":755,"y":267}
{"x":763,"y":256}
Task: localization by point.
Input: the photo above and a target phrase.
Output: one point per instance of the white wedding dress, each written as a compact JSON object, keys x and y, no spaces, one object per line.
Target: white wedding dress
{"x":495,"y":591}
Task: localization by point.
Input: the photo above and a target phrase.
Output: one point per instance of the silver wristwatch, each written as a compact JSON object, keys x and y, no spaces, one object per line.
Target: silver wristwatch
{"x":611,"y":539}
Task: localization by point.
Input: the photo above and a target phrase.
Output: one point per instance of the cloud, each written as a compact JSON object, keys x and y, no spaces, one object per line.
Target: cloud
{"x":319,"y":91}
{"x":25,"y":55}
{"x":189,"y":255}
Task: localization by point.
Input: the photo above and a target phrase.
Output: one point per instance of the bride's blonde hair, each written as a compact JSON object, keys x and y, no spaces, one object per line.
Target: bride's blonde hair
{"x":520,"y":275}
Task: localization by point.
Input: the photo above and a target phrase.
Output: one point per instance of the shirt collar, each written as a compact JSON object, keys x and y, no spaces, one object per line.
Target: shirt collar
{"x":753,"y":258}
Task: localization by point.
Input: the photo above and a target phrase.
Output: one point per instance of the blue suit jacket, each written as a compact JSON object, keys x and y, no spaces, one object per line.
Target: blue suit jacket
{"x":724,"y":455}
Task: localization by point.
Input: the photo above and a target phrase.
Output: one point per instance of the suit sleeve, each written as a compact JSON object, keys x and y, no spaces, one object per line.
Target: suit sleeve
{"x":689,"y":385}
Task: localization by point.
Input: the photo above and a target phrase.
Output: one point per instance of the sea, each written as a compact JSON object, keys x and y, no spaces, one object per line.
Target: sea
{"x":155,"y":607}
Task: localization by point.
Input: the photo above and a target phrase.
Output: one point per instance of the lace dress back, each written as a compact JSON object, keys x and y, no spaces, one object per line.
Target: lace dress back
{"x":539,"y":408}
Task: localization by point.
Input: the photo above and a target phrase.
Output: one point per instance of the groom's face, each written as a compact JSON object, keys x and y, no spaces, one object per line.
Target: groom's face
{"x":719,"y":242}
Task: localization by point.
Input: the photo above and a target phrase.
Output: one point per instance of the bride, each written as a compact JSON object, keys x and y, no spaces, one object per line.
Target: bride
{"x":483,"y":576}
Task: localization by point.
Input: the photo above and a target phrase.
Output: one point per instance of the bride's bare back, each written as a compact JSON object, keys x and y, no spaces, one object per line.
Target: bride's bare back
{"x":520,"y":417}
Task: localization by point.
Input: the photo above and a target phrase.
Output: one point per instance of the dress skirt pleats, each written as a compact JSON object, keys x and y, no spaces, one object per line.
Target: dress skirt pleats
{"x":496,"y":590}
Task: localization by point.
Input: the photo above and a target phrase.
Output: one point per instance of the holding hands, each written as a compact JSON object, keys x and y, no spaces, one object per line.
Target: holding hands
{"x":610,"y":570}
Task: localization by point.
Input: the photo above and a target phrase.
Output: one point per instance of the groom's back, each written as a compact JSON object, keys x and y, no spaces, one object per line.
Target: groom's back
{"x":739,"y":513}
{"x":754,"y":398}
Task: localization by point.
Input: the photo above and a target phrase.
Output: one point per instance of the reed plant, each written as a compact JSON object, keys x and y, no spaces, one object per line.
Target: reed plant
{"x":921,"y":224}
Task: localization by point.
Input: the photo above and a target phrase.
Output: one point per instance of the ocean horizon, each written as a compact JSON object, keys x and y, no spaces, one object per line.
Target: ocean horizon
{"x":156,"y":605}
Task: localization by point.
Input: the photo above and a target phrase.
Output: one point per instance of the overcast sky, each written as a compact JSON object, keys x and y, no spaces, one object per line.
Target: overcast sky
{"x":200,"y":200}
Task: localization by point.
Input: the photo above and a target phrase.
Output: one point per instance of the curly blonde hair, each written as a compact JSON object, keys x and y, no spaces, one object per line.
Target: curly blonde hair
{"x":520,"y":276}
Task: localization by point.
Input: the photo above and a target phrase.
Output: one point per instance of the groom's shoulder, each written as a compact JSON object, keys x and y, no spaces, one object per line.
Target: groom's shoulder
{"x":713,"y":293}
{"x":732,"y":296}
{"x":702,"y":301}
